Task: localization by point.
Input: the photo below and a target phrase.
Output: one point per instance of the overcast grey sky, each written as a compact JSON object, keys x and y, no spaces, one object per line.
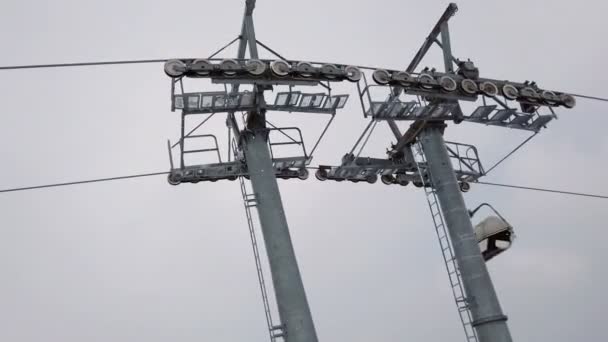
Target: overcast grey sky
{"x":143,"y":261}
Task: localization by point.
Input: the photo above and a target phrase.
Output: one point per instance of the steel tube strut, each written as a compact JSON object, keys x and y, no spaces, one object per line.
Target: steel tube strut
{"x":289,"y":290}
{"x":449,"y":12}
{"x":296,"y":319}
{"x":488,"y":319}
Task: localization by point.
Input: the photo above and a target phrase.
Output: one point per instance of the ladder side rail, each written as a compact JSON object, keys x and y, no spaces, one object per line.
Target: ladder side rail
{"x":447,"y":253}
{"x":249,"y":201}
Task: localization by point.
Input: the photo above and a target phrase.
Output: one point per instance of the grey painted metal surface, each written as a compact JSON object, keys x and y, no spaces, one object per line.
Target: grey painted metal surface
{"x":488,"y":318}
{"x":294,"y":311}
{"x":289,"y":289}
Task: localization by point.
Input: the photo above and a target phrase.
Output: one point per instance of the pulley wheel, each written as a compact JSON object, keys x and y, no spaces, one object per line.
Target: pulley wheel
{"x":303,"y":174}
{"x":402,"y":77}
{"x":321,"y":174}
{"x":489,"y":89}
{"x":448,"y":84}
{"x":174,"y":179}
{"x":550,"y":97}
{"x":510,"y":92}
{"x":229,"y":67}
{"x":387,"y":179}
{"x":255,"y":67}
{"x":330,"y":71}
{"x":175,"y":68}
{"x":371,"y":179}
{"x":353,"y":73}
{"x":280,"y":68}
{"x":305,"y":69}
{"x":426,"y":81}
{"x":529,"y":94}
{"x":401,"y":180}
{"x":568,"y":100}
{"x":381,"y":77}
{"x":469,"y":86}
{"x":201,"y":67}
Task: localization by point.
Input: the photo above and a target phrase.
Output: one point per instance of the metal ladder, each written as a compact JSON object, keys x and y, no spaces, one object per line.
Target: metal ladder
{"x":250,"y":201}
{"x":447,"y":251}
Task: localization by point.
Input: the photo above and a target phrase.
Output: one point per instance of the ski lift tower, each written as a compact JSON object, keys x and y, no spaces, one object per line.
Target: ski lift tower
{"x":254,"y":155}
{"x":427,"y":98}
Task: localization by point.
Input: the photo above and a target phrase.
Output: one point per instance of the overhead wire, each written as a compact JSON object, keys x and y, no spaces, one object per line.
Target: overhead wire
{"x":591,"y":97}
{"x":65,"y":65}
{"x":148,"y":61}
{"x":511,"y":153}
{"x":98,"y":180}
{"x":544,"y":190}
{"x":161,"y":173}
{"x":162,"y":60}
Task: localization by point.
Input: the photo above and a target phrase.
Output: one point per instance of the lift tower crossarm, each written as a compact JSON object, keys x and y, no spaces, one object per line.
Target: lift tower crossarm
{"x":441,"y":28}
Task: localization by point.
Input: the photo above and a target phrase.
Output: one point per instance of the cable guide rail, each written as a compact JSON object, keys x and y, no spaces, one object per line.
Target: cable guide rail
{"x":464,"y":84}
{"x":399,"y":104}
{"x":402,"y":170}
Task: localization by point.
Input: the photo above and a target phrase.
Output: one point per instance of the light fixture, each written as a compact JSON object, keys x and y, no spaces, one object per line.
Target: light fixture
{"x":510,"y":92}
{"x":381,"y":76}
{"x":175,"y":68}
{"x":488,"y":88}
{"x":256,"y":67}
{"x":280,"y":68}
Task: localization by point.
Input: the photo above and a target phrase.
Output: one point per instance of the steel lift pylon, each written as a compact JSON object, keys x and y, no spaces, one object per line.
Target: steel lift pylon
{"x":295,"y":315}
{"x":428,"y":98}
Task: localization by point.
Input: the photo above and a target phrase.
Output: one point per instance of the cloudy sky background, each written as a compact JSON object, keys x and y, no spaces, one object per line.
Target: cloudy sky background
{"x":143,"y":261}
